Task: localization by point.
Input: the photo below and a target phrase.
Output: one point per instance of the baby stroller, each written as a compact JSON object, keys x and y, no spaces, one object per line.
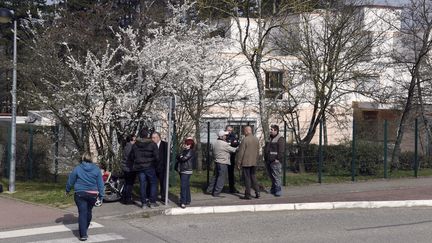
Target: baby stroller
{"x":113,"y":187}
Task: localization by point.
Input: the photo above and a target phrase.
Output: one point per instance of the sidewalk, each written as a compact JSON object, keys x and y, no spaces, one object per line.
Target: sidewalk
{"x":366,"y":194}
{"x":18,"y":214}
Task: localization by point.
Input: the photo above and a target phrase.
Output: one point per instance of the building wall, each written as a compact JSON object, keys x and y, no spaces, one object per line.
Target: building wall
{"x":339,"y":128}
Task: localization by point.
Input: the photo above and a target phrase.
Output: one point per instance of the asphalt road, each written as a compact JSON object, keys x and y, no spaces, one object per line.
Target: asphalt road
{"x":373,"y":225}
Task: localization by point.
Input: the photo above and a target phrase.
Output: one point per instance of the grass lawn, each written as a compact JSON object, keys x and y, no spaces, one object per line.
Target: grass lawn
{"x":52,"y":194}
{"x":47,"y":193}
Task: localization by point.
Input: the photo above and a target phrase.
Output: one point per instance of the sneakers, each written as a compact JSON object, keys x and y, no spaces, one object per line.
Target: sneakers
{"x":182,"y":205}
{"x":84,"y":238}
{"x":257,"y":195}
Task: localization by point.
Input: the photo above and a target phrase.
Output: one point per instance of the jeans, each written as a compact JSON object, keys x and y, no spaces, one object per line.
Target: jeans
{"x":250,"y":180}
{"x":274,"y":171}
{"x":150,"y":175}
{"x":85,"y":202}
{"x":160,"y":175}
{"x":218,"y":181}
{"x":129,"y":181}
{"x":185,"y":194}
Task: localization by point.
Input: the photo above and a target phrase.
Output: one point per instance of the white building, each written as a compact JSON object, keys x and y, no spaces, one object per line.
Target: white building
{"x":377,"y":21}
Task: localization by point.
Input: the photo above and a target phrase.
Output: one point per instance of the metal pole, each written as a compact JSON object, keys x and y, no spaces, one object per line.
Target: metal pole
{"x":320,"y":156}
{"x":168,"y":151}
{"x":385,"y":149}
{"x":13,"y":123}
{"x":416,"y":149}
{"x":208,"y":153}
{"x":7,"y":164}
{"x":353,"y":167}
{"x":285,"y":154}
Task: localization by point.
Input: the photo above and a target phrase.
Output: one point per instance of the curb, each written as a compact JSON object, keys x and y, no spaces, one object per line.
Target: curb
{"x":136,"y":214}
{"x":298,"y":206}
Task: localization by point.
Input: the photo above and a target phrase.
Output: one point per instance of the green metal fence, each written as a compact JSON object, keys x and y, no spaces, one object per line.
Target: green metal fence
{"x":367,"y":153}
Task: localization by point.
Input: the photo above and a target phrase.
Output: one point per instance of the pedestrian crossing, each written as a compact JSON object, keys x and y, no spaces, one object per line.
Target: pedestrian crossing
{"x":92,"y":238}
{"x":52,"y":232}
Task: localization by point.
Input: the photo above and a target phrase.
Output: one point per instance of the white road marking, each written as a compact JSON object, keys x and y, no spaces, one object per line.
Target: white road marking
{"x":43,"y":230}
{"x":92,"y":238}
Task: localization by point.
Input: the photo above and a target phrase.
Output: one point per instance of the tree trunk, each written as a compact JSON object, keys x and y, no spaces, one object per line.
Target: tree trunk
{"x":301,"y":162}
{"x":324,"y":121}
{"x":402,"y":124}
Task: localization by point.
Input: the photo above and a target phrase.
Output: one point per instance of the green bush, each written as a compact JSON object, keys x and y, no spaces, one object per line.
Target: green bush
{"x":337,"y":158}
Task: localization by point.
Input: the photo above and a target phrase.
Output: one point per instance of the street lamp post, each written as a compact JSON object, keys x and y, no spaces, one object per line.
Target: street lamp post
{"x":6,"y":16}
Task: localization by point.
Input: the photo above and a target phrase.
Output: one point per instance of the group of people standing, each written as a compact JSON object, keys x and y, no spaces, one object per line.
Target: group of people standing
{"x":228,"y":152}
{"x":145,"y":157}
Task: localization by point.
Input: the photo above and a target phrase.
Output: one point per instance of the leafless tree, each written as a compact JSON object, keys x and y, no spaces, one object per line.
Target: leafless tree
{"x":413,"y":56}
{"x":338,"y":52}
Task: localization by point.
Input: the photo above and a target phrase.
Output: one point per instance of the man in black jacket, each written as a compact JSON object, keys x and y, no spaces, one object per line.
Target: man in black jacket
{"x":273,"y":156}
{"x":127,"y":167}
{"x":145,"y":156}
{"x":232,"y":139}
{"x":161,"y":167}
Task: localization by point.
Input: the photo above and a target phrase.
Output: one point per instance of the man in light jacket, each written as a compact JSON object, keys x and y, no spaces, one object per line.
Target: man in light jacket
{"x":221,"y":152}
{"x":247,"y":157}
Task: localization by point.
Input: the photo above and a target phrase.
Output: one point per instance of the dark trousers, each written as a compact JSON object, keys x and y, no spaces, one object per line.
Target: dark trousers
{"x":250,"y":180}
{"x":85,"y":202}
{"x":185,"y":194}
{"x":231,"y":174}
{"x":150,"y":175}
{"x":161,"y":175}
{"x":218,"y":180}
{"x":129,"y":182}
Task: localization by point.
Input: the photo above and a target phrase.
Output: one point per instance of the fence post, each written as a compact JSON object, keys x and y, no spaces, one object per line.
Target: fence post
{"x":30,"y":154}
{"x":320,"y":153}
{"x":385,"y":149}
{"x":208,"y":153}
{"x":353,"y":160}
{"x":285,"y":154}
{"x":416,"y":149}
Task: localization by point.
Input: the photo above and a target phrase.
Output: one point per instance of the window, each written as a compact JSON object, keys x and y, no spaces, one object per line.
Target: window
{"x":370,"y":115}
{"x":238,"y":126}
{"x":365,"y":44}
{"x":273,"y":84}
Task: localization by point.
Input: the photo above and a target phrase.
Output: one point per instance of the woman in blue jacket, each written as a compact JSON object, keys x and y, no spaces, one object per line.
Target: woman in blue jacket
{"x":86,"y":179}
